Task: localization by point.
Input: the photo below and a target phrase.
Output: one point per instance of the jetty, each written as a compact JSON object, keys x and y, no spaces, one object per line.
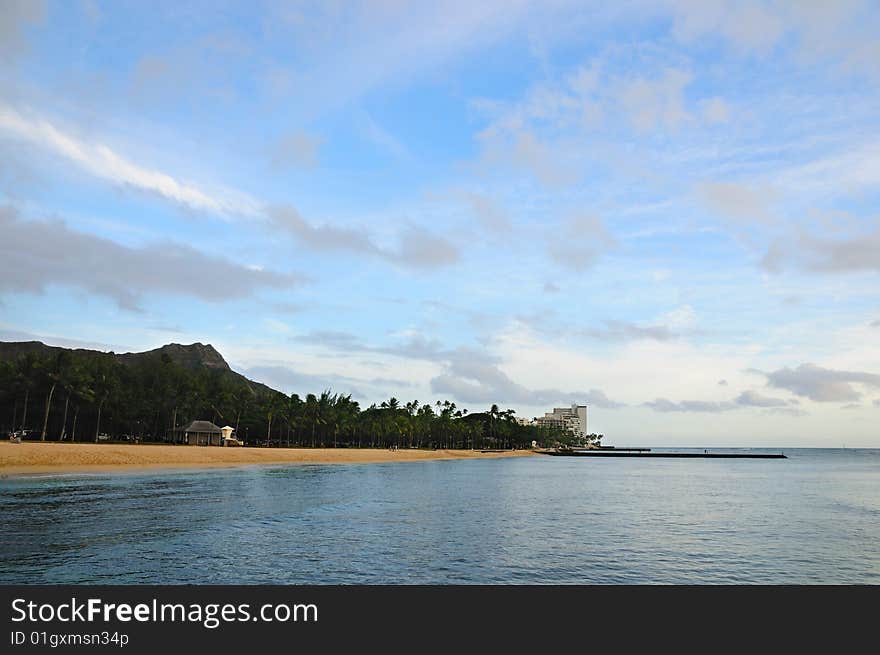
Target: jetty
{"x":617,"y":448}
{"x":629,"y":453}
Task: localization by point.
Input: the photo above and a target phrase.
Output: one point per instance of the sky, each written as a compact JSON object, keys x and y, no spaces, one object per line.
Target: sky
{"x":666,"y":209}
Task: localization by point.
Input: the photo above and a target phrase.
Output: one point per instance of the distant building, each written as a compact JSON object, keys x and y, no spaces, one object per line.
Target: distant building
{"x":199,"y":433}
{"x":572,"y":419}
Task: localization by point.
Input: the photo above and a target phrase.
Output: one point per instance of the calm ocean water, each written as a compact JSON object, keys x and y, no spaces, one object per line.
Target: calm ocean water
{"x":813,"y":518}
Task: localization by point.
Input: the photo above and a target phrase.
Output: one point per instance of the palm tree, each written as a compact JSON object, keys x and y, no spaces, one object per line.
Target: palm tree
{"x":293,"y":412}
{"x":54,"y":370}
{"x":273,"y":405}
{"x":72,"y":381}
{"x":493,"y":418}
{"x":104,"y":379}
{"x":240,"y":399}
{"x":311,"y":414}
{"x":26,"y":367}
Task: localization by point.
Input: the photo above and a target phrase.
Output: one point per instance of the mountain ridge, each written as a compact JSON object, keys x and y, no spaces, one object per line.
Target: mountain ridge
{"x":190,"y":356}
{"x":193,"y":356}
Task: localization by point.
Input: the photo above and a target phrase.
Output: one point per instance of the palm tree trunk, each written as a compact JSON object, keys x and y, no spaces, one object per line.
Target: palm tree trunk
{"x":46,"y":414}
{"x":98,"y":424}
{"x":73,"y":429}
{"x":24,"y":416}
{"x":64,"y":420}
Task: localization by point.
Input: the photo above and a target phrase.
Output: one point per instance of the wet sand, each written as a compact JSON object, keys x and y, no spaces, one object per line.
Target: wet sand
{"x":46,"y":458}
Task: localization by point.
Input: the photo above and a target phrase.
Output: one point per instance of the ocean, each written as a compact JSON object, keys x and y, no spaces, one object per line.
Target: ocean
{"x":813,"y":518}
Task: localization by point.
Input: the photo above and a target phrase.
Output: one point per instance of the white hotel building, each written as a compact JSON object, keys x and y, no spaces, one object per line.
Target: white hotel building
{"x":573,"y":419}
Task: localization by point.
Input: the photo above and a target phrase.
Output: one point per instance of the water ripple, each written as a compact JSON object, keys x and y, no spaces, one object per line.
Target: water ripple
{"x":809,"y":519}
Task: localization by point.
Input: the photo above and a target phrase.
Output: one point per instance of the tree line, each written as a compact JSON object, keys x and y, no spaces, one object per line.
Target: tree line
{"x":72,"y":395}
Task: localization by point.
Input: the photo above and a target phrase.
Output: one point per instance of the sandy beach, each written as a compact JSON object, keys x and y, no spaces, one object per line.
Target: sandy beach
{"x":36,"y":457}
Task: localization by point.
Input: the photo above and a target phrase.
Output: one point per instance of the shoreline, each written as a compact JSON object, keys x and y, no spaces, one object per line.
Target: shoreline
{"x":47,"y":458}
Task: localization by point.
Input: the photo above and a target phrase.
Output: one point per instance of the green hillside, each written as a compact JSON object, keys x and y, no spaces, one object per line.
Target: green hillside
{"x":67,"y":394}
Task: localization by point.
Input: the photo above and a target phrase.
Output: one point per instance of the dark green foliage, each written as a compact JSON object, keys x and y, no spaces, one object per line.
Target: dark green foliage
{"x":78,"y":395}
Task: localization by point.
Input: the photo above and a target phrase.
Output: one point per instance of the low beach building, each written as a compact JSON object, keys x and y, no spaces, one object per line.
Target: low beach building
{"x":201,"y":433}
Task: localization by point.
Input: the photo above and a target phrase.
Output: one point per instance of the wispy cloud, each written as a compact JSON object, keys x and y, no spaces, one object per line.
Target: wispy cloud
{"x":707,"y":406}
{"x":626,"y":331}
{"x":739,"y":202}
{"x":322,"y":238}
{"x":469,"y":375}
{"x":103,"y":162}
{"x":754,"y":399}
{"x":745,"y":399}
{"x":579,"y":242}
{"x":748,"y":25}
{"x":294,"y":150}
{"x":488,"y":212}
{"x":417,"y":248}
{"x":656,"y":103}
{"x":825,"y":254}
{"x":382,"y":138}
{"x":843,"y":32}
{"x":291,"y":379}
{"x":483,"y":382}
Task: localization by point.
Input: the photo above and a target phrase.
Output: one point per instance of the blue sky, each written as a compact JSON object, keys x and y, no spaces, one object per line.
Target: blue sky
{"x":665,"y":209}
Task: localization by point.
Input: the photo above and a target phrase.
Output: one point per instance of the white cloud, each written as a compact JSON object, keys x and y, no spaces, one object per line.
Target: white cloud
{"x":487,"y":211}
{"x":387,"y":42}
{"x":102,"y":161}
{"x":656,"y":103}
{"x":748,"y":24}
{"x":852,"y":170}
{"x":680,"y":318}
{"x":418,"y":248}
{"x":295,"y":150}
{"x":739,"y":202}
{"x":631,"y":372}
{"x":558,"y":129}
{"x":579,"y":242}
{"x":626,"y":331}
{"x":382,"y":138}
{"x":40,"y":254}
{"x":822,"y":384}
{"x":754,"y":399}
{"x":582,"y":99}
{"x":851,"y":254}
{"x":843,"y":31}
{"x":703,"y":406}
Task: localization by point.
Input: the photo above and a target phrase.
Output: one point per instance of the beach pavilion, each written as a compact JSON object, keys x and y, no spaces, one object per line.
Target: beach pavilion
{"x":201,"y":433}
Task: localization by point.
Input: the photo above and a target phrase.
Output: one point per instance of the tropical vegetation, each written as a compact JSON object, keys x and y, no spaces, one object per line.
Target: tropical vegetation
{"x":57,"y":394}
